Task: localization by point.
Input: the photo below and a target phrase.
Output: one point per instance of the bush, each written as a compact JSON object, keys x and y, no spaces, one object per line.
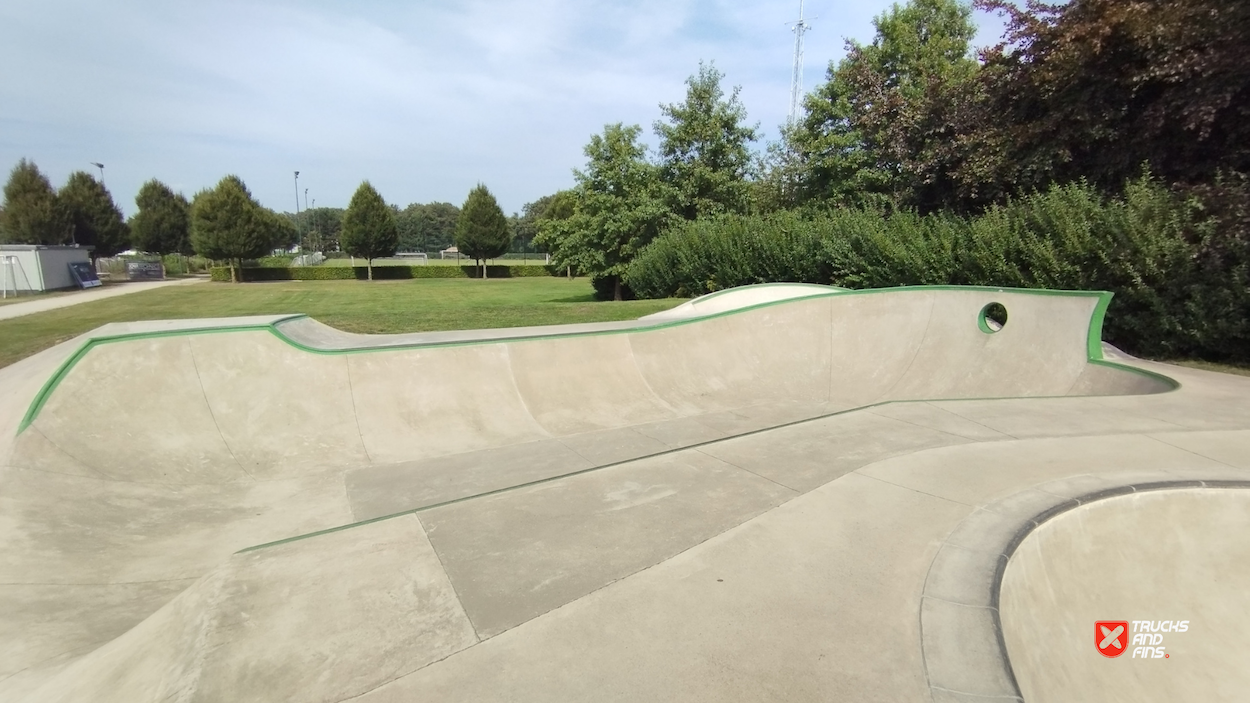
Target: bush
{"x":361,"y":273}
{"x":1179,"y":264}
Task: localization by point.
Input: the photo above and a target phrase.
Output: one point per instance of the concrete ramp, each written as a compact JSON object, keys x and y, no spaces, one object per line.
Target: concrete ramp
{"x":1172,"y":564}
{"x":247,"y":508}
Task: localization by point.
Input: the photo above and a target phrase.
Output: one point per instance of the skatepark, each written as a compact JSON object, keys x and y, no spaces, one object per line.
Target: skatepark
{"x":781,"y":492}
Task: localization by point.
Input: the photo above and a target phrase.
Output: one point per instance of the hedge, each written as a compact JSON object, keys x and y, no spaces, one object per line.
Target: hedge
{"x":1179,"y":266}
{"x":361,"y":273}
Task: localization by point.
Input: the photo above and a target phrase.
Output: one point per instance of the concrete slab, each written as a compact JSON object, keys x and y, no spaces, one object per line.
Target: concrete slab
{"x":517,"y":555}
{"x":385,"y":490}
{"x":809,"y":601}
{"x":811,"y":454}
{"x":978,"y":474}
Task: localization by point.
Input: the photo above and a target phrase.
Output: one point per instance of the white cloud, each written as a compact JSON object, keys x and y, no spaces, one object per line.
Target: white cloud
{"x":423,"y":99}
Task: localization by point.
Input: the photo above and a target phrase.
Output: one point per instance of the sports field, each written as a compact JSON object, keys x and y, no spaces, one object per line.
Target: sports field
{"x":419,"y":305}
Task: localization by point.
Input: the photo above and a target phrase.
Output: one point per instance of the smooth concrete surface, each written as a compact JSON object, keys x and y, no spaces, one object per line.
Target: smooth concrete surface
{"x":768,"y":502}
{"x":1178,"y":555}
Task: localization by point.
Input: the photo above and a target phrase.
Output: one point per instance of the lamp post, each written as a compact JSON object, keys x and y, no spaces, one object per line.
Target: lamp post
{"x":301,"y":234}
{"x":100,"y":166}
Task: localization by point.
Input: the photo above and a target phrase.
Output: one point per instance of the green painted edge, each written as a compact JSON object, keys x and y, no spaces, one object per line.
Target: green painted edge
{"x":981,"y":323}
{"x":1094,"y":340}
{"x":41,"y":398}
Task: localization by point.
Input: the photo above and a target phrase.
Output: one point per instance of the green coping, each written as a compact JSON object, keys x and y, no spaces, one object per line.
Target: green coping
{"x":1093,"y":342}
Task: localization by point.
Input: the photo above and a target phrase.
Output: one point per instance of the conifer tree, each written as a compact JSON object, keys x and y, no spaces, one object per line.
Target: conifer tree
{"x":369,"y":228}
{"x":32,"y":212}
{"x":482,"y":231}
{"x":94,"y":217}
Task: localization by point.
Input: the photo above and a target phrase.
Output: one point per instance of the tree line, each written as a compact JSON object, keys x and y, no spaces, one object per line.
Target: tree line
{"x":226,"y":223}
{"x":1098,"y":92}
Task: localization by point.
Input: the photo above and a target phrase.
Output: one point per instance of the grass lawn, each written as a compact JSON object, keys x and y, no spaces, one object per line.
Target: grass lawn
{"x":534,"y":260}
{"x":418,"y":305}
{"x":27,"y":297}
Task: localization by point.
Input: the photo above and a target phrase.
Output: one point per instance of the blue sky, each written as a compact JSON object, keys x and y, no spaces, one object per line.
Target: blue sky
{"x":423,"y":99}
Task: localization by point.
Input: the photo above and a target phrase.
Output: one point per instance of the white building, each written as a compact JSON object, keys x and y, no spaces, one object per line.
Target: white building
{"x":33,"y":267}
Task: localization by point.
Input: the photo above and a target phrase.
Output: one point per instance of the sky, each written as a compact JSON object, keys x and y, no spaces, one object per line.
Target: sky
{"x":423,"y":99}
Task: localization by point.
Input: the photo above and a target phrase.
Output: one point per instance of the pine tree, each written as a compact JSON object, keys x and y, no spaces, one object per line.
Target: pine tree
{"x":32,"y":212}
{"x":482,"y":231}
{"x":228,"y":224}
{"x":95,"y":219}
{"x":163,"y":223}
{"x":369,"y":228}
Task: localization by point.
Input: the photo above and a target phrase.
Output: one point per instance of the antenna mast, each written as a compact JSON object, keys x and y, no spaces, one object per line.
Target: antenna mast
{"x":796,"y":82}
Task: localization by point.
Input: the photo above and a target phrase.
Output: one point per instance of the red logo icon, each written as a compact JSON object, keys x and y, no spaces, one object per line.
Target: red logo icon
{"x":1111,"y":637}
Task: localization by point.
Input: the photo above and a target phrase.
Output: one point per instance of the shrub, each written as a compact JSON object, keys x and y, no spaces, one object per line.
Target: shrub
{"x":1179,"y":264}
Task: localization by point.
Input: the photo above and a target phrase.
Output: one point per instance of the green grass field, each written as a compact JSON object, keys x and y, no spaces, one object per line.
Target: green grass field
{"x":419,"y":305}
{"x":534,"y":260}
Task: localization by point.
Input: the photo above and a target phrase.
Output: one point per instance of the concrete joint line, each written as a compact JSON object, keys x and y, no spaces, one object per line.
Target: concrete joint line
{"x":961,"y":635}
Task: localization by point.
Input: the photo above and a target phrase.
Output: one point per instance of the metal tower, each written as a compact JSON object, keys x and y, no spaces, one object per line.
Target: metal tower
{"x":796,"y":82}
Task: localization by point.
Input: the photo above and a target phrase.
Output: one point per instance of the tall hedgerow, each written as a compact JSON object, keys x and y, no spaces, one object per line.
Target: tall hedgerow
{"x":1179,"y":269}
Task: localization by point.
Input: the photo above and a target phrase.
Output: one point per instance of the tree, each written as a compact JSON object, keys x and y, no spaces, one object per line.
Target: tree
{"x":95,"y":219}
{"x":1095,"y":88}
{"x":525,"y":227}
{"x":619,"y":208}
{"x":482,"y":231}
{"x":885,"y":126}
{"x":324,"y":224}
{"x":429,"y":227}
{"x":228,"y":224}
{"x":32,"y":212}
{"x":703,"y":151}
{"x":163,"y":223}
{"x":369,"y":228}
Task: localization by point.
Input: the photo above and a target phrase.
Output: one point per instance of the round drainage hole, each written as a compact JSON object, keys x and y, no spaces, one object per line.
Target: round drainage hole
{"x":993,"y":318}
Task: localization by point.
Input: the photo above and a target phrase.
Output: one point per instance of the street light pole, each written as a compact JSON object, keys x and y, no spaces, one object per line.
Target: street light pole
{"x":100,"y":166}
{"x":297,"y":231}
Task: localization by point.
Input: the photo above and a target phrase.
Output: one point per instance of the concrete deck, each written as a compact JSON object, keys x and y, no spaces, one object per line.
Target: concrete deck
{"x":806,"y":499}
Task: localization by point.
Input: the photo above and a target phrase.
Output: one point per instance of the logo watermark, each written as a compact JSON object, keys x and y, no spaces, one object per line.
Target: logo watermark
{"x":1144,"y":638}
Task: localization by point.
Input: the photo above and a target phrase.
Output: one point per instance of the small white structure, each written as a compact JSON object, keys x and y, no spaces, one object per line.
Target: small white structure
{"x":26,"y":268}
{"x":454,"y":251}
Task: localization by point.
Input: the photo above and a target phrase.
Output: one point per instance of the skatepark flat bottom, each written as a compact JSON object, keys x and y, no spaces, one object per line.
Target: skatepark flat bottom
{"x":782,"y":495}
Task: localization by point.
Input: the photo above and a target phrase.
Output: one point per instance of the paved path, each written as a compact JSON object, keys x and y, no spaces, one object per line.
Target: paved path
{"x":43,"y":304}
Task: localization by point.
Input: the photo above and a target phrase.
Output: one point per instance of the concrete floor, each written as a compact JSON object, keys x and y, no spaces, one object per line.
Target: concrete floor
{"x":799,"y":500}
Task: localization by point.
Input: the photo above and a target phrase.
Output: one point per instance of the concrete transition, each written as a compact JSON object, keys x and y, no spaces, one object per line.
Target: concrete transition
{"x":772,"y":493}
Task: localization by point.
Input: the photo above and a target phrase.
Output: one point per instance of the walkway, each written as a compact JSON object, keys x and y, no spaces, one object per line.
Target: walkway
{"x":43,"y":304}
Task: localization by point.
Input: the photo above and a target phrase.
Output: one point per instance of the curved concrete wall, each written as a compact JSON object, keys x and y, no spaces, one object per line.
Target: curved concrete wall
{"x":245,"y":405}
{"x":1165,"y":555}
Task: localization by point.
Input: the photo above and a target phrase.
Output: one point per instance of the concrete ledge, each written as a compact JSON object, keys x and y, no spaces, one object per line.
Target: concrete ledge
{"x":965,"y":656}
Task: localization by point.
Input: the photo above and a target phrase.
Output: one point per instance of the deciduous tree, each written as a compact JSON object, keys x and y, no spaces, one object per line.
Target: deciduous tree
{"x":704,"y":154}
{"x":163,"y":223}
{"x":228,"y":224}
{"x":619,"y":207}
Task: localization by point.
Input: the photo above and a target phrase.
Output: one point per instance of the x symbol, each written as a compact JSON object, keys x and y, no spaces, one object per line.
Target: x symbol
{"x":1111,"y":637}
